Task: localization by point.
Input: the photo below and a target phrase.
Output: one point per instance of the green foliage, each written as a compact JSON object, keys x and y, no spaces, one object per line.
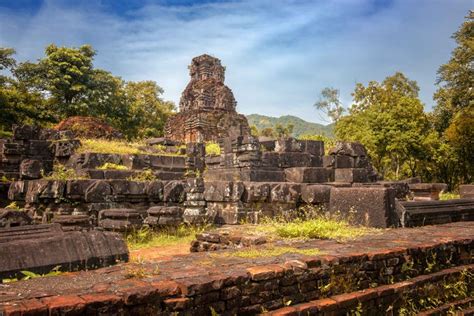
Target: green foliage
{"x":143,"y":176}
{"x":120,"y":147}
{"x":31,"y":275}
{"x":62,"y":173}
{"x":213,"y":148}
{"x":64,"y":83}
{"x":112,"y":166}
{"x":266,"y":125}
{"x":388,"y":119}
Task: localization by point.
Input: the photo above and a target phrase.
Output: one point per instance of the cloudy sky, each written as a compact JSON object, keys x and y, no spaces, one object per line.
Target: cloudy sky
{"x":279,"y":54}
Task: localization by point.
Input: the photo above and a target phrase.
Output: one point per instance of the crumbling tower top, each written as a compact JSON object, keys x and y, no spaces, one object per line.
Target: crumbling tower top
{"x":205,"y":66}
{"x":206,"y":90}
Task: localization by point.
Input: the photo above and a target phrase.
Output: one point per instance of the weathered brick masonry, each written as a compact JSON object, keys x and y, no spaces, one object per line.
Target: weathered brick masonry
{"x":192,"y":284}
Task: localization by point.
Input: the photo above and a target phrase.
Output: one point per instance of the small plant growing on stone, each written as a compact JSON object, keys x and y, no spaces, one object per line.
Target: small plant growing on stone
{"x":143,"y":176}
{"x":213,"y":149}
{"x":4,"y":179}
{"x":61,"y":172}
{"x":112,"y":166}
{"x":13,"y":206}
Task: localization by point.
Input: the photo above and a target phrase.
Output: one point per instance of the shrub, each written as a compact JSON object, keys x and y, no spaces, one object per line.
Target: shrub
{"x":213,"y":148}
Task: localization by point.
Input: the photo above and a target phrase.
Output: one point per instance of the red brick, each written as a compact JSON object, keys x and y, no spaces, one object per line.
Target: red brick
{"x":307,"y":308}
{"x":285,"y":311}
{"x":64,"y":305}
{"x":167,"y":288}
{"x":265,"y":272}
{"x":101,"y":299}
{"x":325,"y":304}
{"x":177,"y":304}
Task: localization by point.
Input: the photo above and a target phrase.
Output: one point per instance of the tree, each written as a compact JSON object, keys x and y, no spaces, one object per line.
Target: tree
{"x":148,"y":111}
{"x":452,"y":116}
{"x":330,"y":104}
{"x":388,"y":118}
{"x":284,"y":131}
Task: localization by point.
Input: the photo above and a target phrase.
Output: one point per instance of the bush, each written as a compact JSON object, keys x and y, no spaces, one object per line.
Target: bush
{"x":213,"y":149}
{"x":143,"y":176}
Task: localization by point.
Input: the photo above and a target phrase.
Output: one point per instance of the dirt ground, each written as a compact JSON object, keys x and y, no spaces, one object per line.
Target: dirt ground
{"x":161,"y":252}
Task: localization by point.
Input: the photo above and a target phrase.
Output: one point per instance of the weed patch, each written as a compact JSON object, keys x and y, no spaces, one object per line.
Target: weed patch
{"x":112,"y":166}
{"x":270,"y":251}
{"x":63,"y":173}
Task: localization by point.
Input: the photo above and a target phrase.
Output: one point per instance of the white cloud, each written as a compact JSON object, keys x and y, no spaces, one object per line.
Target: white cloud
{"x":279,"y":54}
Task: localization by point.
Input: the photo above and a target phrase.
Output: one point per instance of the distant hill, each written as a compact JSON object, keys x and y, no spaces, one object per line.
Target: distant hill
{"x":300,"y":126}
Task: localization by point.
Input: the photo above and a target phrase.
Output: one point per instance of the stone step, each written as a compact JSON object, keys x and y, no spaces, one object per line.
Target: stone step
{"x":399,"y":297}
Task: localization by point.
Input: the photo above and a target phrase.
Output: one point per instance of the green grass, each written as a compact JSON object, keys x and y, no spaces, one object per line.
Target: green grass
{"x":448,"y":196}
{"x":147,"y":238}
{"x":103,"y":146}
{"x":112,"y":166}
{"x":271,"y":251}
{"x":313,"y":223}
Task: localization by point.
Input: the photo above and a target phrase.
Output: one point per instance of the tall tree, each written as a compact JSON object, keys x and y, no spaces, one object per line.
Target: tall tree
{"x":454,"y":111}
{"x":148,"y":111}
{"x":388,"y":118}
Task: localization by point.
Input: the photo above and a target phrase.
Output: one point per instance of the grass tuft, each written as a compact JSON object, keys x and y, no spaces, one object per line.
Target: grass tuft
{"x":148,"y":238}
{"x":62,"y":173}
{"x":112,"y":166}
{"x":121,"y":147}
{"x":443,"y":196}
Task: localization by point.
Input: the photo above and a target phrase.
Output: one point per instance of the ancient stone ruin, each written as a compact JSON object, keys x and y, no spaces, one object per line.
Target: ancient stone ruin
{"x":207,"y":110}
{"x":79,"y":223}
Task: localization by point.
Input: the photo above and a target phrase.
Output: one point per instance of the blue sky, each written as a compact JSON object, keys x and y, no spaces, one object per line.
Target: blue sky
{"x":279,"y":54}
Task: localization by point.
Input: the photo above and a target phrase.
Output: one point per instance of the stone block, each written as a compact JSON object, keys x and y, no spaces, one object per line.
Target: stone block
{"x":316,"y":194}
{"x":313,"y":147}
{"x":368,"y":206}
{"x":13,"y":218}
{"x":285,"y":192}
{"x":267,"y":143}
{"x":288,"y":145}
{"x":76,"y":189}
{"x":174,"y":191}
{"x":154,"y":190}
{"x":98,"y":191}
{"x":306,"y":175}
{"x":223,"y":191}
{"x":31,"y":169}
{"x":40,"y":248}
{"x":351,"y":175}
{"x":466,"y":191}
{"x":231,"y":213}
{"x":66,"y":148}
{"x":25,"y":132}
{"x":256,"y":192}
{"x":120,"y":219}
{"x":353,"y":149}
{"x":294,"y":159}
{"x":333,"y":161}
{"x":17,"y":190}
{"x":427,"y":191}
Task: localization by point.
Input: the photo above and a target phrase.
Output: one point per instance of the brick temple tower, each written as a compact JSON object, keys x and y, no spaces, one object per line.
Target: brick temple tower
{"x":207,"y":106}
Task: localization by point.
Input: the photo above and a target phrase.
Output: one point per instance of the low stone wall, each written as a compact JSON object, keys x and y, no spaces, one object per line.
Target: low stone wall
{"x":196,"y":201}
